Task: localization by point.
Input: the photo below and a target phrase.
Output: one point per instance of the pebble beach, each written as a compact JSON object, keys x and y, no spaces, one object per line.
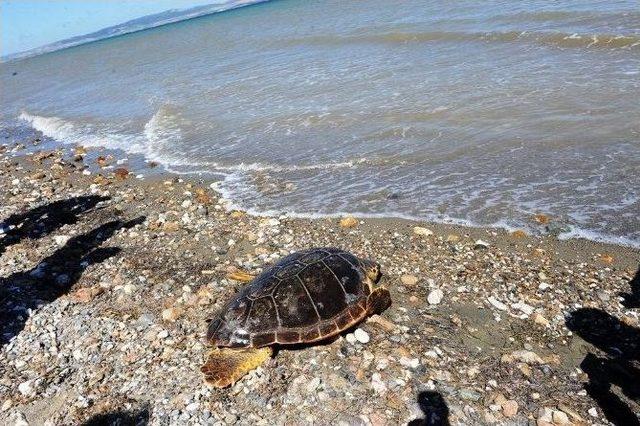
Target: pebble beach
{"x":107,"y":280}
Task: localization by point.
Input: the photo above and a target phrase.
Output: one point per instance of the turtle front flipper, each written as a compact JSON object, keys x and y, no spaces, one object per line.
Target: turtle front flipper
{"x":378,"y":301}
{"x":225,"y":366}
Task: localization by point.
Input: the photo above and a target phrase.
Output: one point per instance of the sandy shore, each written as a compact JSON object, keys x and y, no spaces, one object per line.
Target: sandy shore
{"x":107,"y":281}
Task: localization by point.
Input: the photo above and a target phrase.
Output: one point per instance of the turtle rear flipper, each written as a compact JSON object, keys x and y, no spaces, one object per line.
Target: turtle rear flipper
{"x":225,"y":366}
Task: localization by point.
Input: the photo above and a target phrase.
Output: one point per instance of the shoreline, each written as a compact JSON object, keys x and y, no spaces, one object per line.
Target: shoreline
{"x":549,"y":228}
{"x":575,"y":248}
{"x":480,"y":315}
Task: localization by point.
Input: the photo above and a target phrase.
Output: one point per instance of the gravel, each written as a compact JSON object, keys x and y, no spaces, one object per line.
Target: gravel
{"x":106,"y":314}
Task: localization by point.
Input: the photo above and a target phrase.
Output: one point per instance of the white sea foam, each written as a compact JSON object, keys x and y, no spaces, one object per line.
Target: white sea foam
{"x":160,"y":141}
{"x":232,"y":188}
{"x":578,"y":233}
{"x":257,"y":167}
{"x":161,"y":133}
{"x":73,"y":133}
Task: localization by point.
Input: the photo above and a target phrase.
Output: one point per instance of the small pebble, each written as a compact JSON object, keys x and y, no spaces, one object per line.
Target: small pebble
{"x":435,"y":297}
{"x":26,"y":388}
{"x":409,"y":280}
{"x":425,"y":232}
{"x":129,"y":288}
{"x":361,"y":336}
{"x":480,"y":244}
{"x":510,"y":408}
{"x":378,"y":384}
{"x":497,"y":304}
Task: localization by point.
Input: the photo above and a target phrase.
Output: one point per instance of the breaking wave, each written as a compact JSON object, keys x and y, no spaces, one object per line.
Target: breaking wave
{"x":82,"y":134}
{"x":159,"y":141}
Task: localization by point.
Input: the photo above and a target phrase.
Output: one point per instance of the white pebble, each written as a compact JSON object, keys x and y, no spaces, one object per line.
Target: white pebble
{"x":435,"y":297}
{"x":61,"y":239}
{"x":272,"y":222}
{"x":6,"y":405}
{"x":382,"y":364}
{"x":481,"y":244}
{"x":425,"y":232}
{"x":523,"y":307}
{"x":361,"y":336}
{"x":409,"y":362}
{"x":21,"y":420}
{"x":129,"y":288}
{"x":26,"y":388}
{"x":313,"y":384}
{"x":497,"y":304}
{"x":377,"y":383}
{"x":431,"y":354}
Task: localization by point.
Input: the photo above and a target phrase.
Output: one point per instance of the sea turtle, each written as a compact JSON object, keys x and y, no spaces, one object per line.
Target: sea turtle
{"x":306,"y":297}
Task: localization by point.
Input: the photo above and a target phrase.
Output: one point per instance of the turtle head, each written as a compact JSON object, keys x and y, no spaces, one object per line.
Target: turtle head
{"x":371,"y":270}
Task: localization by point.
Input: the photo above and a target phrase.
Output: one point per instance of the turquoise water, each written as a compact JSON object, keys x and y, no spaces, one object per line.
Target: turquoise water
{"x":472,"y":112}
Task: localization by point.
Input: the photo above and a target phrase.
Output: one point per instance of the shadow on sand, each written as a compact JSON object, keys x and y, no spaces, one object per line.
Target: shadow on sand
{"x":120,"y":418}
{"x":434,"y":408}
{"x":632,"y":300}
{"x":41,"y":221}
{"x":619,"y":367}
{"x":56,"y":274}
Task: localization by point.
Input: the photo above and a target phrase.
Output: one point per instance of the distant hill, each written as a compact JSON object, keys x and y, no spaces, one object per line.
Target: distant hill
{"x":138,"y":24}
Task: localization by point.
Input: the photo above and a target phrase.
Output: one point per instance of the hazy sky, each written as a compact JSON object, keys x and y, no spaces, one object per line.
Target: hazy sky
{"x":25,"y":24}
